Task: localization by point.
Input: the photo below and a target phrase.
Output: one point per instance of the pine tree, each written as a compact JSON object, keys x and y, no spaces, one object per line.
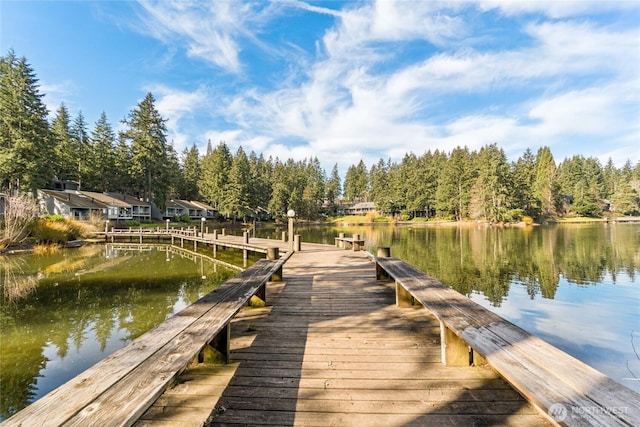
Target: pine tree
{"x":65,"y":153}
{"x":356,"y":183}
{"x":260,"y":172}
{"x":26,"y":147}
{"x":146,"y":134}
{"x":454,"y":184}
{"x":216,"y":165}
{"x":102,"y":159}
{"x":546,"y":190}
{"x":490,"y":188}
{"x":191,"y":172}
{"x":236,"y":197}
{"x":81,"y":146}
{"x":522,"y":184}
{"x":122,"y":180}
{"x":334,"y":186}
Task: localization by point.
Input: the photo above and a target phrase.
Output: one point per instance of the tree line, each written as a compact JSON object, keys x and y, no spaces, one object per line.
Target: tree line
{"x":36,"y":151}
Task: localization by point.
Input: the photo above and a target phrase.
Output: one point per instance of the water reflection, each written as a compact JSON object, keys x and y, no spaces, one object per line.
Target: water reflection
{"x":573,"y":285}
{"x":61,"y":313}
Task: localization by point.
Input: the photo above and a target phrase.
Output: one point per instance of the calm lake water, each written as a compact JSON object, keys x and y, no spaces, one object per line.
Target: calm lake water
{"x":575,"y":286}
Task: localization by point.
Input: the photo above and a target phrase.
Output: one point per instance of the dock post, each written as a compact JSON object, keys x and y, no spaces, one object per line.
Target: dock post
{"x":297,"y":246}
{"x":356,"y":245}
{"x":284,"y":236}
{"x":215,"y":234}
{"x":381,"y":274}
{"x":340,"y":241}
{"x":224,"y":231}
{"x":245,"y":240}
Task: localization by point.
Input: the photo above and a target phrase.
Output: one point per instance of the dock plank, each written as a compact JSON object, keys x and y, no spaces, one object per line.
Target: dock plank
{"x":335,"y":350}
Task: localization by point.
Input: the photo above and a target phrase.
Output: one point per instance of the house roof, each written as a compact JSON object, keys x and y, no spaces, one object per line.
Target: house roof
{"x":203,"y":205}
{"x":133,"y":201}
{"x":174,"y":204}
{"x":187,"y":204}
{"x":74,"y":200}
{"x":106,"y":199}
{"x":363,"y":205}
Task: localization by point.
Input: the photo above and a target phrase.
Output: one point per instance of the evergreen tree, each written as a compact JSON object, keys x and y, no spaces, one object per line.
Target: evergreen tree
{"x":356,"y":183}
{"x":146,"y":134}
{"x":216,"y":165}
{"x":260,"y":172}
{"x":490,"y":188}
{"x":523,"y":178}
{"x":381,"y":190}
{"x":237,"y":190}
{"x":334,"y":186}
{"x":546,"y":190}
{"x":64,"y":167}
{"x":122,"y":180}
{"x":454,"y":184}
{"x":26,"y":147}
{"x":191,"y":173}
{"x":81,"y":146}
{"x":279,"y":202}
{"x":625,"y":200}
{"x":103,"y":156}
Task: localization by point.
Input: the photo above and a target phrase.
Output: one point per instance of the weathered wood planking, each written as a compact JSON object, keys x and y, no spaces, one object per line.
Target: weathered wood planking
{"x":335,"y":350}
{"x":544,"y":374}
{"x":117,"y":390}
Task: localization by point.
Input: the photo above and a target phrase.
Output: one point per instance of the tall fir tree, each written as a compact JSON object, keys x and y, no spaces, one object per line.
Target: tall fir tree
{"x":191,"y":172}
{"x":64,"y":166}
{"x":26,"y":147}
{"x":102,"y":157}
{"x":81,"y":145}
{"x":146,"y":135}
{"x":454,"y":184}
{"x":216,"y":165}
{"x":236,"y":198}
{"x":334,"y":186}
{"x":546,"y":189}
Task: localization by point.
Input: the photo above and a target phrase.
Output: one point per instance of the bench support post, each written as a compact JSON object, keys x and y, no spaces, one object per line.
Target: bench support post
{"x":455,"y":352}
{"x":221,"y":343}
{"x":261,"y":295}
{"x":404,"y":298}
{"x":273,"y":253}
{"x":381,"y":274}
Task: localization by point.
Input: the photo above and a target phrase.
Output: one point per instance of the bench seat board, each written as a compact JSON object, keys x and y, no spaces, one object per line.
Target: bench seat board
{"x":541,"y":372}
{"x":146,"y":366}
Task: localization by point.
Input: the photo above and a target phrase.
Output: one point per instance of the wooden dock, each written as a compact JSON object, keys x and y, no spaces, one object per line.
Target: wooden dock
{"x":333,"y":349}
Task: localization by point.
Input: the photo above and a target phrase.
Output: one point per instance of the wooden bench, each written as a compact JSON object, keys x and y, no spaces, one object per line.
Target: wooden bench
{"x":565,"y":389}
{"x":119,"y":389}
{"x":356,"y":242}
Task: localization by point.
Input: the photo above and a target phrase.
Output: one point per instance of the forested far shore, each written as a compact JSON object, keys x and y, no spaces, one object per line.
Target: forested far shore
{"x":38,"y":151}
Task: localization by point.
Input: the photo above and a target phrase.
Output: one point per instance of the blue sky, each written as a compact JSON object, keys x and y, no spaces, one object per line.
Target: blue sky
{"x":346,"y":81}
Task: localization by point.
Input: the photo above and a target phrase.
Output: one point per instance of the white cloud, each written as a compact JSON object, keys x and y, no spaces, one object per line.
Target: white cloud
{"x":209,"y":30}
{"x":57,"y":94}
{"x":359,"y":97}
{"x":176,"y":106}
{"x":556,"y":9}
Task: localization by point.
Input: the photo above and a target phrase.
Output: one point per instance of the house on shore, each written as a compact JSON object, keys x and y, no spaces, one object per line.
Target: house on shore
{"x":70,"y":204}
{"x":195,"y":210}
{"x":140,"y":210}
{"x":83,"y":205}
